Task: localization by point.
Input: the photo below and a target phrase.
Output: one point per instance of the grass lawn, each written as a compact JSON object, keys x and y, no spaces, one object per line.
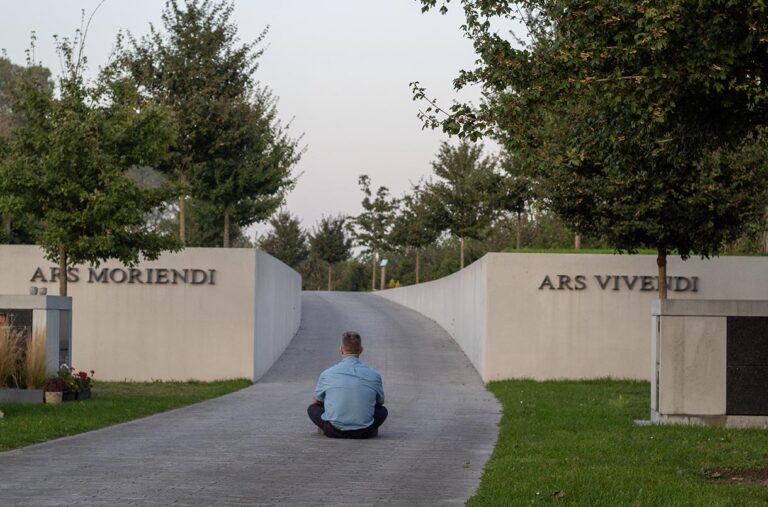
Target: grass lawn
{"x":575,"y":443}
{"x":112,"y":403}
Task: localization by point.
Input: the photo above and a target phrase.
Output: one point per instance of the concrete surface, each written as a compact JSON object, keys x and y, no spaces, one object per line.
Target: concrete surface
{"x":257,"y":446}
{"x":570,"y":316}
{"x":690,"y":347}
{"x":277,"y":307}
{"x":125,"y":327}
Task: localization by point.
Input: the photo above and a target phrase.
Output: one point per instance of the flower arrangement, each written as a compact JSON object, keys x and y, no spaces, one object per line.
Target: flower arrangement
{"x":75,"y":380}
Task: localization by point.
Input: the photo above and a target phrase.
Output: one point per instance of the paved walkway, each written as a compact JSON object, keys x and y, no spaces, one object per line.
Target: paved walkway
{"x":257,"y":447}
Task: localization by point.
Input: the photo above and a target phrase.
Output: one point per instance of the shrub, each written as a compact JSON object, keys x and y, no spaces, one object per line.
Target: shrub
{"x":36,"y":359}
{"x":11,"y":349}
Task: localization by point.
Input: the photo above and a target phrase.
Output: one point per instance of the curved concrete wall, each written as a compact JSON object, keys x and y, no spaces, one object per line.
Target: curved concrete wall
{"x":233,"y":316}
{"x":278,"y":311}
{"x":458,"y":303}
{"x":549,"y":316}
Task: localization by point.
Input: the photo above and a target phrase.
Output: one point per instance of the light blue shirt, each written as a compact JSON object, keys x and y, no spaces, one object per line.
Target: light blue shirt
{"x":349,"y":391}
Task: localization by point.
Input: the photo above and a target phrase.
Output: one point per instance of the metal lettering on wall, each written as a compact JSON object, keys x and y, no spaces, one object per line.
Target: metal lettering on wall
{"x":619,"y":282}
{"x":145,"y":276}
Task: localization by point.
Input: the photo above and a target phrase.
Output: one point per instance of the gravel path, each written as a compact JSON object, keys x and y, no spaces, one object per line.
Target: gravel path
{"x":257,"y":446}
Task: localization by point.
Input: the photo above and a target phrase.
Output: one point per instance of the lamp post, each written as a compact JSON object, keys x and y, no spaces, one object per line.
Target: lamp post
{"x":383,"y":265}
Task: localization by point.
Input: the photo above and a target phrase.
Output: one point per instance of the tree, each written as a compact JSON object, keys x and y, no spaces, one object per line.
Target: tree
{"x":515,"y":193}
{"x":463,"y":198}
{"x":330,"y":242}
{"x":414,"y":225}
{"x":287,"y":240}
{"x":646,"y":121}
{"x":69,"y":161}
{"x":18,"y":227}
{"x":374,"y":223}
{"x":248,"y":176}
{"x":198,"y":69}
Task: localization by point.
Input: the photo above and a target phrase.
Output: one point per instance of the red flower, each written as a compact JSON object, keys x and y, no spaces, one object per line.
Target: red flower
{"x":82,"y":374}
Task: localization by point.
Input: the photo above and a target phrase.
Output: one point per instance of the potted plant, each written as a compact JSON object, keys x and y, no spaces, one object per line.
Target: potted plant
{"x":54,"y":390}
{"x":84,"y":382}
{"x":77,"y":384}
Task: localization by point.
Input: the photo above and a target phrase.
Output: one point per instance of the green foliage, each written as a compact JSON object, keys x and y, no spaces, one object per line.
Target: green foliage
{"x":231,"y":151}
{"x":373,"y":225}
{"x":68,"y":165}
{"x":463,"y":196}
{"x":11,"y":77}
{"x":286,"y":241}
{"x":112,"y":403}
{"x":415,"y":225}
{"x":329,"y":241}
{"x":644,"y":122}
{"x":19,"y":226}
{"x":579,"y":438}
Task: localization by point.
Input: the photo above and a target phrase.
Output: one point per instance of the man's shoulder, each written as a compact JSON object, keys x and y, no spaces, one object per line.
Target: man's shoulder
{"x":371,"y":371}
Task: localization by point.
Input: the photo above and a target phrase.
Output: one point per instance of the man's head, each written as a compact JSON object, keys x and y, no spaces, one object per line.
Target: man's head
{"x":351,"y":344}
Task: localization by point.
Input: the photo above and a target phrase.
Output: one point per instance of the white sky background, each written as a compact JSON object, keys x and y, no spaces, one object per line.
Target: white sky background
{"x":340,"y":68}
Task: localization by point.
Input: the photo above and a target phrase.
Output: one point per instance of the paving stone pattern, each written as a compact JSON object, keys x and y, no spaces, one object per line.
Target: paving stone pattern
{"x":257,"y":446}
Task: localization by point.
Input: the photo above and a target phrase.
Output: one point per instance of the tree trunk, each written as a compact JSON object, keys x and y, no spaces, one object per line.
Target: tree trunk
{"x":661,"y":262}
{"x":577,"y":242}
{"x":373,"y":271}
{"x":461,"y":256}
{"x":62,"y":270}
{"x":329,"y":276}
{"x":765,"y":242}
{"x":418,"y":251}
{"x":7,"y":226}
{"x":183,"y":208}
{"x":519,"y":238}
{"x":226,"y":227}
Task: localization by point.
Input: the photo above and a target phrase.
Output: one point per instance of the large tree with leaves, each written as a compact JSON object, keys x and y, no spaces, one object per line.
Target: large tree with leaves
{"x":330,"y":242}
{"x":286,"y":240}
{"x":231,"y":150}
{"x":373,"y":225}
{"x":645,"y":120}
{"x":69,"y":161}
{"x":248,"y":176}
{"x":515,"y":192}
{"x":415,"y":226}
{"x":463,"y":198}
{"x":18,"y":227}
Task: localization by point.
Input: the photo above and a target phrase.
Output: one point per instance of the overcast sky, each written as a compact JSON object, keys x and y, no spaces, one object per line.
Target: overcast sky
{"x":341,"y":69}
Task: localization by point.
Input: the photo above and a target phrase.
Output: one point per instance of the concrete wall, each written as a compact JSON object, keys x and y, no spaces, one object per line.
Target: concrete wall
{"x":689,"y":344}
{"x":133,"y":329}
{"x":458,"y":303}
{"x":278,"y":311}
{"x":570,"y":327}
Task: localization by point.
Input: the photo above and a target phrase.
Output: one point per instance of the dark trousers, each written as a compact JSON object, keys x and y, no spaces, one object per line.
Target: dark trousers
{"x":316,"y":411}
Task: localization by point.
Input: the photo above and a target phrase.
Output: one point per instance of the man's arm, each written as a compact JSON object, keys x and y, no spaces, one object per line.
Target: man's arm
{"x":319,"y":396}
{"x":379,"y":393}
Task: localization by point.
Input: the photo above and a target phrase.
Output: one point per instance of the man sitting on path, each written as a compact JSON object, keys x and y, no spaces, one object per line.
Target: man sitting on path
{"x":349,"y":397}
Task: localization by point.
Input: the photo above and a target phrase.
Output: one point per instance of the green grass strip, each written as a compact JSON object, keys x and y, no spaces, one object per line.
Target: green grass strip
{"x":112,"y":403}
{"x":575,"y":443}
